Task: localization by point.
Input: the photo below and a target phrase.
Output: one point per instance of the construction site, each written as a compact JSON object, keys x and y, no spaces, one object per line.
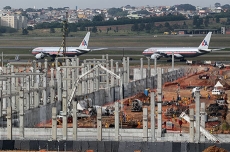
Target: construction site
{"x":100,"y":105}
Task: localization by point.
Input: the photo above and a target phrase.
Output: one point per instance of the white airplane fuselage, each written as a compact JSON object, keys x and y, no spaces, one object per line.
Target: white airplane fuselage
{"x":41,"y":52}
{"x":184,"y":51}
{"x":180,"y":52}
{"x":70,"y":51}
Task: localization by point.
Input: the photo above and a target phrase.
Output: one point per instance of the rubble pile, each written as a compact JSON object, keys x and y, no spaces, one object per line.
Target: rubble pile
{"x":214,"y":149}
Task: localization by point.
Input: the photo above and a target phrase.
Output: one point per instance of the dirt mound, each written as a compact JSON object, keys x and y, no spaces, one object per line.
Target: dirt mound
{"x":214,"y":149}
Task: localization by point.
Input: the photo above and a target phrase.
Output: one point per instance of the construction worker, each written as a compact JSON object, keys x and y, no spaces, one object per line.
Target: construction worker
{"x":173,"y":99}
{"x":209,"y":96}
{"x":124,"y":117}
{"x":138,"y":123}
{"x":106,"y":125}
{"x":128,"y":118}
{"x":129,"y":102}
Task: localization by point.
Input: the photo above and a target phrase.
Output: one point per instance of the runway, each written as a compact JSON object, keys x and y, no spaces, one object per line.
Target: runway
{"x":220,"y":54}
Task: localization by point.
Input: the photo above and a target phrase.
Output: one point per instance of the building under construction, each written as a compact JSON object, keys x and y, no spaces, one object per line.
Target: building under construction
{"x":95,"y":105}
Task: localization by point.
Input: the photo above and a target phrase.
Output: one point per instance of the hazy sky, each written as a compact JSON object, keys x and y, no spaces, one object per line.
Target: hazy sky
{"x":102,"y":3}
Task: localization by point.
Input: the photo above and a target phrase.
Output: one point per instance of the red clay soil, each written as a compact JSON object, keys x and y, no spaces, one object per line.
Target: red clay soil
{"x":214,"y":149}
{"x":170,"y":92}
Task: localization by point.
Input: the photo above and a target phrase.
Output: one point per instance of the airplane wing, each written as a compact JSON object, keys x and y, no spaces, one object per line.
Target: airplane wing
{"x":89,"y":50}
{"x":176,"y":55}
{"x":210,"y":50}
{"x":218,"y":49}
{"x":97,"y":49}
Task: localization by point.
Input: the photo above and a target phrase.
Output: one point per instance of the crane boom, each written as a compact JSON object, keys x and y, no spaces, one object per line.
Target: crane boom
{"x":80,"y":78}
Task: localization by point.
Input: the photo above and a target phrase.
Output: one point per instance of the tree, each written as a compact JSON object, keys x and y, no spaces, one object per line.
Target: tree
{"x":50,"y":8}
{"x":98,"y":18}
{"x":228,"y":21}
{"x":142,"y":12}
{"x":134,"y":27}
{"x":184,"y":26}
{"x":141,"y":26}
{"x":206,"y":21}
{"x":107,"y":30}
{"x":113,"y":11}
{"x":217,"y":4}
{"x":149,"y":27}
{"x":82,"y":28}
{"x":226,"y":7}
{"x":195,"y":19}
{"x":94,"y":29}
{"x":186,"y":7}
{"x":52,"y":30}
{"x":116,"y":28}
{"x":7,"y":8}
{"x":25,"y":32}
{"x":217,"y":19}
{"x":167,"y":24}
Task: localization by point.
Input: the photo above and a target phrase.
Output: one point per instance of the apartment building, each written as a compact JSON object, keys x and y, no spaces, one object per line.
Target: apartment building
{"x":9,"y":21}
{"x":14,"y":21}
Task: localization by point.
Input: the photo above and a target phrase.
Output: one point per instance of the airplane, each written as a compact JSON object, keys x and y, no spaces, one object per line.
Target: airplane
{"x":41,"y":52}
{"x":180,"y":52}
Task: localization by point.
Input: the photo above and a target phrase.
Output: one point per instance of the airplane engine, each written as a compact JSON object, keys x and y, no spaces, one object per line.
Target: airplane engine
{"x":39,"y":56}
{"x":157,"y":56}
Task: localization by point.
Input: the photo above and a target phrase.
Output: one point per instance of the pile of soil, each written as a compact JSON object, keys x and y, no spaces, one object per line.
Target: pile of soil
{"x":214,"y":149}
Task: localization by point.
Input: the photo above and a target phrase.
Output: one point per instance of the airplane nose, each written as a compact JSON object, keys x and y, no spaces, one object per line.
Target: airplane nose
{"x":145,"y":51}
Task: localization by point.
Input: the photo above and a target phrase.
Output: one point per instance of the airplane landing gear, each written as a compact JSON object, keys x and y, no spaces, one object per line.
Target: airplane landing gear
{"x":170,"y":60}
{"x":182,"y":60}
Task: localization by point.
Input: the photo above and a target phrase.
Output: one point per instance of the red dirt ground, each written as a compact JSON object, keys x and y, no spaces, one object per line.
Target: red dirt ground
{"x":170,"y":91}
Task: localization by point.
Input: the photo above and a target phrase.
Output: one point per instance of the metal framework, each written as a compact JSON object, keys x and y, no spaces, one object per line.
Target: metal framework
{"x":74,"y":89}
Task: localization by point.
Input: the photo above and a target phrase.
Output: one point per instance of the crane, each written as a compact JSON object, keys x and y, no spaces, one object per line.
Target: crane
{"x":74,"y":89}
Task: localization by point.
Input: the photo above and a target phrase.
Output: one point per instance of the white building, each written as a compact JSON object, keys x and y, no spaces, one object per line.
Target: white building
{"x":9,"y":21}
{"x":14,"y":21}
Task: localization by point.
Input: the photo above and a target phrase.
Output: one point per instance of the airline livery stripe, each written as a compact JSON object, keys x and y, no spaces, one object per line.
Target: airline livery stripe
{"x":177,"y":52}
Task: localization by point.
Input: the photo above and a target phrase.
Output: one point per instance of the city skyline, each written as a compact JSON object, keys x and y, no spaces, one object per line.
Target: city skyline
{"x":100,"y":4}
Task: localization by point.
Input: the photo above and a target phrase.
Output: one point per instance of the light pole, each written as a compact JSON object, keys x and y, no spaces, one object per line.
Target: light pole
{"x":2,"y":59}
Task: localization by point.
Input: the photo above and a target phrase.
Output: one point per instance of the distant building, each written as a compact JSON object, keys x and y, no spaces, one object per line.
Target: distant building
{"x":9,"y":21}
{"x":22,"y":22}
{"x":14,"y":21}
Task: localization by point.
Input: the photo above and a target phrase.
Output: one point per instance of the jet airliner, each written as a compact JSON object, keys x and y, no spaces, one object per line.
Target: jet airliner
{"x":41,"y":52}
{"x":180,"y":52}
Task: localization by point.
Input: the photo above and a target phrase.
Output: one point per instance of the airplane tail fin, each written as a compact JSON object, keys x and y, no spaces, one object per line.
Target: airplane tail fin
{"x":84,"y":43}
{"x":205,"y":43}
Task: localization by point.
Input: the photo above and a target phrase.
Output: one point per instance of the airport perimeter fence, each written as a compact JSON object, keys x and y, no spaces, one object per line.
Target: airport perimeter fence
{"x":107,"y":146}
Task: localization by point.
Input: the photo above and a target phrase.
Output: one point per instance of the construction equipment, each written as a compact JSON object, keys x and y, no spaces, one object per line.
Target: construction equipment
{"x":74,"y":89}
{"x":208,"y":135}
{"x":204,"y":76}
{"x":136,"y":105}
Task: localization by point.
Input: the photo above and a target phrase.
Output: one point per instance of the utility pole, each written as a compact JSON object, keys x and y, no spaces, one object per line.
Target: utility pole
{"x":65,"y":30}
